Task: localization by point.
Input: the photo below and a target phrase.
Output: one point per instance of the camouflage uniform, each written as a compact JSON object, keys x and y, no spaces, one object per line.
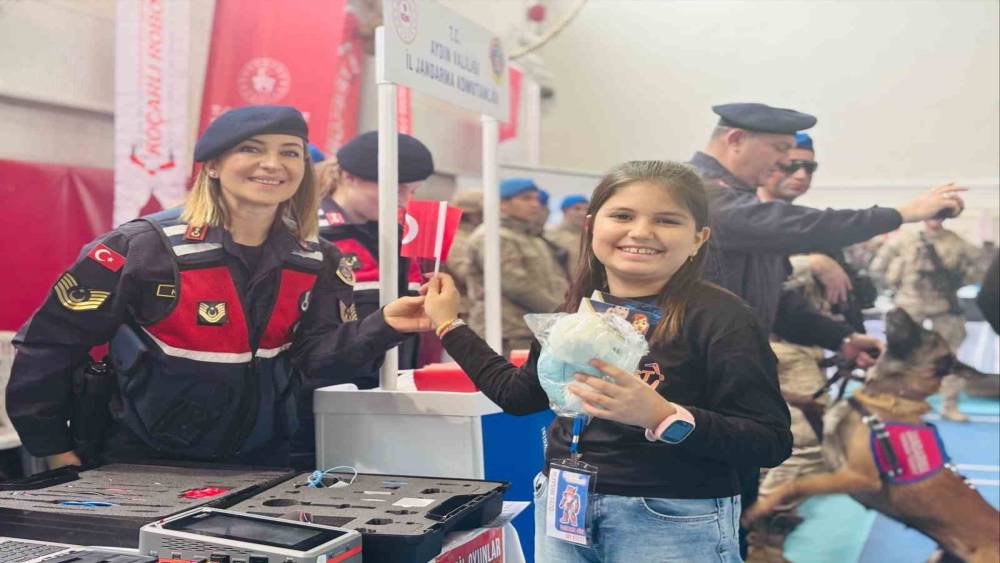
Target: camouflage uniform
{"x":567,"y":237}
{"x":906,"y":268}
{"x":799,"y":373}
{"x":532,"y":280}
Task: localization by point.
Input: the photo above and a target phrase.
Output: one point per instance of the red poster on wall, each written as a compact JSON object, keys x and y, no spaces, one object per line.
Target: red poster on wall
{"x":280,"y":53}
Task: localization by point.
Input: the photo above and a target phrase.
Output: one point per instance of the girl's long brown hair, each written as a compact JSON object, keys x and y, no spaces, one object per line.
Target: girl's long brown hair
{"x":686,"y":187}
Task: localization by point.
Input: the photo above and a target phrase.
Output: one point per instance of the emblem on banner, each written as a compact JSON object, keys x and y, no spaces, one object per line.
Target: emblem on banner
{"x":345,"y":272}
{"x":212,"y":313}
{"x":264,"y":81}
{"x":76,"y":298}
{"x":497,"y":62}
{"x":106,"y":257}
{"x":404,"y":20}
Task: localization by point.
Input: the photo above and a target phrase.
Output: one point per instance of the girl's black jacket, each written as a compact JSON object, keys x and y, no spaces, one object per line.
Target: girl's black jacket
{"x":721,"y":368}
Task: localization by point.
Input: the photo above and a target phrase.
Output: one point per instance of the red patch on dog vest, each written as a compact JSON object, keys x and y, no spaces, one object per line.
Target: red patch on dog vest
{"x":918,"y":450}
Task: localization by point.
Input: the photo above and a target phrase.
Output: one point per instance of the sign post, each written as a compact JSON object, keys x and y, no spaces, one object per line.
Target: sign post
{"x":428,"y":48}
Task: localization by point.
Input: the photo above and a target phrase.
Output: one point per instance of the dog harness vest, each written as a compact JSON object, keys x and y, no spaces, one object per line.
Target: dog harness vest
{"x":903,"y":453}
{"x":918,"y":450}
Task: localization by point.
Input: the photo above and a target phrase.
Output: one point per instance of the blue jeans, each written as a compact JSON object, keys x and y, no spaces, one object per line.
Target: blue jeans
{"x":646,"y":530}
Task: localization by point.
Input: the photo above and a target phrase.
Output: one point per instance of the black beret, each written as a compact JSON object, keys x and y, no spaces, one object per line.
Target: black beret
{"x":242,"y":123}
{"x":360,"y":157}
{"x":763,"y":118}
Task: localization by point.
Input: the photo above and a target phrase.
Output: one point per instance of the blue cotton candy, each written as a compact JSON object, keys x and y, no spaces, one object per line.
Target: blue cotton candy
{"x":573,"y":341}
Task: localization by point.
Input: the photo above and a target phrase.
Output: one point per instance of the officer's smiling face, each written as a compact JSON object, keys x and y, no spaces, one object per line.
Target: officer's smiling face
{"x":263,"y":170}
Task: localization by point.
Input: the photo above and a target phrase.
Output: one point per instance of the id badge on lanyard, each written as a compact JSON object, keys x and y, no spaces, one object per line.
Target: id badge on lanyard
{"x":571,"y":484}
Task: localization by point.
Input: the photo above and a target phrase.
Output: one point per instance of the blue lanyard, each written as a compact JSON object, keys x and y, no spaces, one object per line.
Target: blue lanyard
{"x":578,"y":423}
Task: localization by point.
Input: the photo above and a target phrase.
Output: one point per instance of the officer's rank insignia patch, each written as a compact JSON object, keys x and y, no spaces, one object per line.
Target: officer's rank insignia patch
{"x":196,"y":232}
{"x":345,"y":272}
{"x":166,"y":290}
{"x":76,"y":298}
{"x":348,"y":312}
{"x":212,"y":313}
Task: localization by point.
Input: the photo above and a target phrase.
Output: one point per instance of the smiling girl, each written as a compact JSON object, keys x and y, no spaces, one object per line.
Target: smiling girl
{"x":212,"y":312}
{"x":668,"y":446}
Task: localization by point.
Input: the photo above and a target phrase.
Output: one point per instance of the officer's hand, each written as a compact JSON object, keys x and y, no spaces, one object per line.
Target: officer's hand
{"x":862,"y":349}
{"x":66,"y":458}
{"x":406,"y":314}
{"x":442,"y":299}
{"x":932,"y":202}
{"x":834,"y":279}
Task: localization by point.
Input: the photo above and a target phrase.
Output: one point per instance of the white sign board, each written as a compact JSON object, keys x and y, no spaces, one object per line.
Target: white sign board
{"x":437,"y":52}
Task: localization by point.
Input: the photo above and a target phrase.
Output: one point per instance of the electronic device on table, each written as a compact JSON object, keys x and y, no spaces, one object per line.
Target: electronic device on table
{"x":225,"y":536}
{"x":27,"y":551}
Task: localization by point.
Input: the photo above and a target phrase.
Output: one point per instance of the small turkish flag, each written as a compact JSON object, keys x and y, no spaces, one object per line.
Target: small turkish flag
{"x":106,"y":257}
{"x":429,"y":228}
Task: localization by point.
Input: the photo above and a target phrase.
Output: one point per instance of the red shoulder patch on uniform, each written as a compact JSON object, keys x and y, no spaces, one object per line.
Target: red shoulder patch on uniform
{"x":106,"y":257}
{"x":196,"y":232}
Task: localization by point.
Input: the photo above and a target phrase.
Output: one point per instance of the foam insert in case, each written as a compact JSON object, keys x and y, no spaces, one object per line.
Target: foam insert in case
{"x":402,"y":518}
{"x":107,"y":505}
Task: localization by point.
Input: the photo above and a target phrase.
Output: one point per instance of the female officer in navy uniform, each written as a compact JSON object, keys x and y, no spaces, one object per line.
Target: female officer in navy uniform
{"x":211,"y":311}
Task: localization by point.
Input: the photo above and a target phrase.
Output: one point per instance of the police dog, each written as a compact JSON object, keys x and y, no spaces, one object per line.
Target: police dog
{"x":943,"y":506}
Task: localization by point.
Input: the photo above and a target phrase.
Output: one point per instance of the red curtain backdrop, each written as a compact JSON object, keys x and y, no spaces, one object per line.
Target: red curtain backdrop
{"x":279,"y":53}
{"x":50,"y":211}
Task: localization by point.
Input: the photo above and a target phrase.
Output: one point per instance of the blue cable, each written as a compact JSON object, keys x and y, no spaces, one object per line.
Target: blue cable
{"x":316,"y":477}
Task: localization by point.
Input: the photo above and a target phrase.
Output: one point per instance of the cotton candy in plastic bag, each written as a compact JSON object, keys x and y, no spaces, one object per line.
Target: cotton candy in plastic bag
{"x":571,"y":341}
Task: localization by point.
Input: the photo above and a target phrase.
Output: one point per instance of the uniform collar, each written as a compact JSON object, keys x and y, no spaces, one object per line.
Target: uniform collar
{"x":712,"y":169}
{"x":278,"y":245}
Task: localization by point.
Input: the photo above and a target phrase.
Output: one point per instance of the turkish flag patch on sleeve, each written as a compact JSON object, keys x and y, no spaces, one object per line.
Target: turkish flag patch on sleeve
{"x":106,"y":257}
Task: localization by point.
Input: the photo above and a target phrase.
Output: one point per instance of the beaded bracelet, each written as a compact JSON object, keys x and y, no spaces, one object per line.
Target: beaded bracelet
{"x":448,"y":326}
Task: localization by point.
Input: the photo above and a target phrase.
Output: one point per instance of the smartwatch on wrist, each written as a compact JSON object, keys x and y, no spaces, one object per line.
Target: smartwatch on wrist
{"x":674,"y":429}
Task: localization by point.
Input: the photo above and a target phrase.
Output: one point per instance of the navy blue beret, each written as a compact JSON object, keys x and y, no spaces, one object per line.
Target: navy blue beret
{"x":360,"y":157}
{"x":242,"y":123}
{"x":763,"y":118}
{"x":510,"y":187}
{"x":571,"y":200}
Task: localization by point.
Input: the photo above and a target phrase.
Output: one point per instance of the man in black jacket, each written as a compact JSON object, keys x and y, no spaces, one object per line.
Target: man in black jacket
{"x":752,"y":239}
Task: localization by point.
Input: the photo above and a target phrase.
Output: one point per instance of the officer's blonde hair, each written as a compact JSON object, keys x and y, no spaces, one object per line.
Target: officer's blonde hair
{"x":205,"y":206}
